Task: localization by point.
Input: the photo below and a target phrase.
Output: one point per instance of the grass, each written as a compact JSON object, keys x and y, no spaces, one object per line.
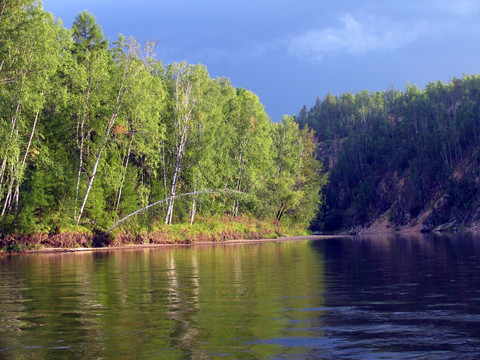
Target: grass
{"x":212,"y":229}
{"x":204,"y":229}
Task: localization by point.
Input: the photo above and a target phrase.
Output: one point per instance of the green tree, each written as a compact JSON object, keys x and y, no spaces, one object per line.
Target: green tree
{"x":33,"y":51}
{"x":123,"y":75}
{"x":250,"y":150}
{"x":139,"y":134}
{"x":298,"y":178}
{"x":87,"y":35}
{"x":186,"y":84}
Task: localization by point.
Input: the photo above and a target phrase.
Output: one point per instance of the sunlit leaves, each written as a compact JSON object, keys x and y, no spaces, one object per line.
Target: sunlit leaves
{"x":90,"y":133}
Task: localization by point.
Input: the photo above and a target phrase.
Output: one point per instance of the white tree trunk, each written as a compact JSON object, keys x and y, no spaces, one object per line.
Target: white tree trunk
{"x":79,"y":173}
{"x":193,"y":210}
{"x":14,"y":120}
{"x":5,"y":157}
{"x":167,"y":200}
{"x":176,"y":175}
{"x":24,"y":160}
{"x":95,"y":166}
{"x":111,"y":122}
{"x":236,"y":202}
{"x":81,"y":144}
{"x":184,"y":105}
{"x":8,"y":198}
{"x":127,"y":158}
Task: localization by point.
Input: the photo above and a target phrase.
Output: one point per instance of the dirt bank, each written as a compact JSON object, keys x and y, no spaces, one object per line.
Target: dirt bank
{"x":200,"y":243}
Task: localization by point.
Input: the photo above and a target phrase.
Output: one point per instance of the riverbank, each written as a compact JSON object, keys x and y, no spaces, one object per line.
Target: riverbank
{"x":222,"y":230}
{"x":202,"y":243}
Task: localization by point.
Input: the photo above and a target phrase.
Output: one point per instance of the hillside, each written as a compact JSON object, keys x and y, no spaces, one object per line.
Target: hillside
{"x":400,"y":160}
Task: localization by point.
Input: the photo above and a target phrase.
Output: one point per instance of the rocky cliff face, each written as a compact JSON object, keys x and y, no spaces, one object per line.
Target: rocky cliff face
{"x":397,"y":205}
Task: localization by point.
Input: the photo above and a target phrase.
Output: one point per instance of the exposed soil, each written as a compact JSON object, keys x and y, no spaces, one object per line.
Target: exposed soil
{"x":63,"y":241}
{"x":82,"y":241}
{"x":170,"y":244}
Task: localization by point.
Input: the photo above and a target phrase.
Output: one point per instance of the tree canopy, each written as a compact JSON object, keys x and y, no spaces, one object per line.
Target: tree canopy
{"x":90,"y":133}
{"x":401,"y":154}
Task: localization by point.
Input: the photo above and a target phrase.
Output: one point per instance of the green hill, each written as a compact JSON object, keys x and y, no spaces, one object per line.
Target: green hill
{"x":400,"y":159}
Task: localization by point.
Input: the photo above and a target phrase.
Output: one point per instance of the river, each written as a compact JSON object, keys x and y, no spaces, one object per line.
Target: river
{"x":382,"y":297}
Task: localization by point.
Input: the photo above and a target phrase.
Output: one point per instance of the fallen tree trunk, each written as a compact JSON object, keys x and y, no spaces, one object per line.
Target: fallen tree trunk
{"x":207,"y":191}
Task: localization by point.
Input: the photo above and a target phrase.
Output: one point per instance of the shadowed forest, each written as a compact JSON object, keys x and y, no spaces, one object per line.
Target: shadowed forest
{"x":400,"y":159}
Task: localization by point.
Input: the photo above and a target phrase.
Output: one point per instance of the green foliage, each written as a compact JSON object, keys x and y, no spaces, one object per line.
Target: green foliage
{"x":211,"y":228}
{"x":397,"y":151}
{"x":87,"y":34}
{"x":91,"y":133}
{"x":294,"y":188}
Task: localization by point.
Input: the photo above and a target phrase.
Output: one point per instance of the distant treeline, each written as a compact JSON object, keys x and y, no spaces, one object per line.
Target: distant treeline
{"x":409,"y":155}
{"x":92,"y":131}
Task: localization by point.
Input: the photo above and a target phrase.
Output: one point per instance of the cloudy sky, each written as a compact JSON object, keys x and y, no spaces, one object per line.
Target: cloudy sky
{"x":290,"y":52}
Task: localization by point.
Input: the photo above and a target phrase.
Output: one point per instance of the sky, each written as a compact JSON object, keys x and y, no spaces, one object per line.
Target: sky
{"x":291,"y":52}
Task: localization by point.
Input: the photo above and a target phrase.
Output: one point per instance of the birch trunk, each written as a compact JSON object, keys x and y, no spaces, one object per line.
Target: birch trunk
{"x":18,"y":109}
{"x":80,"y":166}
{"x":164,"y":166}
{"x":126,"y":160}
{"x":8,"y":198}
{"x":184,"y":104}
{"x":111,"y":122}
{"x":176,"y":175}
{"x":5,"y":157}
{"x":81,"y":144}
{"x":12,"y":130}
{"x":95,"y":167}
{"x":236,"y":202}
{"x":194,"y":205}
{"x":24,"y":160}
{"x":193,"y":210}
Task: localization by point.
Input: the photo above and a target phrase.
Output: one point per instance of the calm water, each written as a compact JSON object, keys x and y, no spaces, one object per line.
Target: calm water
{"x":354,"y":298}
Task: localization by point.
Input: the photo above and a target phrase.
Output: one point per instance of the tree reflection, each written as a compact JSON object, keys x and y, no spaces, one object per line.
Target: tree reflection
{"x":174,"y":303}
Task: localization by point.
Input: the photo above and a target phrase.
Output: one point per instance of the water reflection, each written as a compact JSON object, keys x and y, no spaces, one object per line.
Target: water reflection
{"x":198,"y":303}
{"x":402,"y":297}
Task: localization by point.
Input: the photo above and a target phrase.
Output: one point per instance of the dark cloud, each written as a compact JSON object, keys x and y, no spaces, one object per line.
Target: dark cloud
{"x":291,"y":52}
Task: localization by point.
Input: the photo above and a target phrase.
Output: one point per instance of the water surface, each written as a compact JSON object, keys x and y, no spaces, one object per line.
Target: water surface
{"x":389,"y":297}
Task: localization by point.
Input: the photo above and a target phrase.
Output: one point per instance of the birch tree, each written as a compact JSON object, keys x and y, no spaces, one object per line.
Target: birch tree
{"x":33,"y":53}
{"x":186,"y":86}
{"x":90,"y":80}
{"x":123,"y":74}
{"x":140,"y":131}
{"x":297,"y":176}
{"x":251,"y":148}
{"x":205,"y":158}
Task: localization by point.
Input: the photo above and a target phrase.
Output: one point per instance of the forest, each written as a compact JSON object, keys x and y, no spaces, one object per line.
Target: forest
{"x":400,"y":159}
{"x":92,"y":131}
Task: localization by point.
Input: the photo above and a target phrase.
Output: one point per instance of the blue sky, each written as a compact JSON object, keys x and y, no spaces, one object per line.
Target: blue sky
{"x":290,"y":52}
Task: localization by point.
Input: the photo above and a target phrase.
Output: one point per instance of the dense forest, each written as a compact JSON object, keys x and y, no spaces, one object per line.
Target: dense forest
{"x":400,"y":159}
{"x":92,"y":131}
